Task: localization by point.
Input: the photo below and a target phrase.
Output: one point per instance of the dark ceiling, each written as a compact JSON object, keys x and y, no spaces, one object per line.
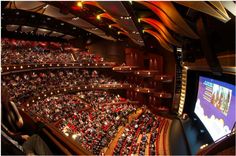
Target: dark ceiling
{"x":220,"y":34}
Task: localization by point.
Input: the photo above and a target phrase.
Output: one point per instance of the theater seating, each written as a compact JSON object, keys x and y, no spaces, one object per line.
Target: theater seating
{"x":31,"y":52}
{"x":136,"y":135}
{"x":26,"y":84}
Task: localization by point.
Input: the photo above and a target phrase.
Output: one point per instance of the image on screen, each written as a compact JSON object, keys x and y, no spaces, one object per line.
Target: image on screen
{"x":215,"y":106}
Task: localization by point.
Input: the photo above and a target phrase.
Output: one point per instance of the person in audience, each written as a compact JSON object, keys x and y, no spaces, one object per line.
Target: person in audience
{"x":12,"y":118}
{"x":33,"y":83}
{"x":30,"y":52}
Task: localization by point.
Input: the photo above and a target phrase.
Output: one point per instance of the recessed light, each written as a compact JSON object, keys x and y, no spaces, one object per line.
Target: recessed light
{"x":62,"y":23}
{"x":48,"y":18}
{"x":33,"y":16}
{"x":45,"y":7}
{"x":80,"y":4}
{"x":74,"y":28}
{"x":18,"y":13}
{"x":98,"y":17}
{"x":75,"y":18}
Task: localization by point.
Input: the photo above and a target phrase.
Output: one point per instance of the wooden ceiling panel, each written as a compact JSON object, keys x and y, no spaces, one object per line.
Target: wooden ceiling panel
{"x":205,"y":8}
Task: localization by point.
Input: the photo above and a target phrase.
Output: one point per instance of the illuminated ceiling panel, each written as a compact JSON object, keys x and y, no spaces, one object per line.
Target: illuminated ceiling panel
{"x":168,"y":21}
{"x":54,"y":12}
{"x":169,"y":9}
{"x":161,"y":29}
{"x":159,"y":38}
{"x":56,"y":34}
{"x":27,"y":29}
{"x":41,"y":31}
{"x":25,"y":5}
{"x":230,"y":6}
{"x":118,"y":11}
{"x":68,"y":37}
{"x":207,"y":9}
{"x":12,"y":27}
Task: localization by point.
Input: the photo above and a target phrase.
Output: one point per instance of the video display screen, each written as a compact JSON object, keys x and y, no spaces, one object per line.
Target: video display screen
{"x":215,"y":106}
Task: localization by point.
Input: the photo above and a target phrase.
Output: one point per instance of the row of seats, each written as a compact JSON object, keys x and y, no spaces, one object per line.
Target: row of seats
{"x":32,"y":83}
{"x":92,"y":127}
{"x":56,"y":107}
{"x":86,"y":57}
{"x":100,"y":97}
{"x":135,"y":136}
{"x":96,"y":128}
{"x":34,"y":52}
{"x":30,"y":52}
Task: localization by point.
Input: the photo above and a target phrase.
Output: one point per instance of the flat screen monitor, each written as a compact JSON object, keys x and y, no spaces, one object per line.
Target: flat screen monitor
{"x":215,"y":106}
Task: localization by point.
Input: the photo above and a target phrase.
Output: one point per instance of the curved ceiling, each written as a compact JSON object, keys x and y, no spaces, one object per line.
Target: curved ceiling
{"x":169,"y":22}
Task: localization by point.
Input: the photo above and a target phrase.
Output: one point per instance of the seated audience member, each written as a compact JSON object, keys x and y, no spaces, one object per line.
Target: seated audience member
{"x":12,"y":123}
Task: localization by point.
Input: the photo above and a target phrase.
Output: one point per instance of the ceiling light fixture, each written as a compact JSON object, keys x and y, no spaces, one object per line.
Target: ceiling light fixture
{"x":98,"y":17}
{"x":110,"y":26}
{"x":74,"y":28}
{"x":80,"y":4}
{"x":48,"y":18}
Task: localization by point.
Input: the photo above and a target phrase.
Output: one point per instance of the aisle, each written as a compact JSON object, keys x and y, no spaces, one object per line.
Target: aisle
{"x":113,"y":143}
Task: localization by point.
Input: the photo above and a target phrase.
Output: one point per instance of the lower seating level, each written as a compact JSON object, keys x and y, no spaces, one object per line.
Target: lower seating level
{"x":95,"y":124}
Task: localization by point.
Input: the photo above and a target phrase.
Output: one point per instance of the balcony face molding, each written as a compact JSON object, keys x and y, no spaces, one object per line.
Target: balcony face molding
{"x":5,"y":69}
{"x":125,"y":69}
{"x":146,"y":73}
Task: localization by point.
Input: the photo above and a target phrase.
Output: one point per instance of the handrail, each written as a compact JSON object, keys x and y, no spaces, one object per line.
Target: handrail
{"x":62,"y":89}
{"x":74,"y":147}
{"x":214,"y":145}
{"x":6,"y":69}
{"x":64,"y":150}
{"x":225,"y":136}
{"x":45,"y":129}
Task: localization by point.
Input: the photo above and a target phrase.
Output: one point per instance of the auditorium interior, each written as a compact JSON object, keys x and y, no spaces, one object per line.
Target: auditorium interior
{"x":119,"y":77}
